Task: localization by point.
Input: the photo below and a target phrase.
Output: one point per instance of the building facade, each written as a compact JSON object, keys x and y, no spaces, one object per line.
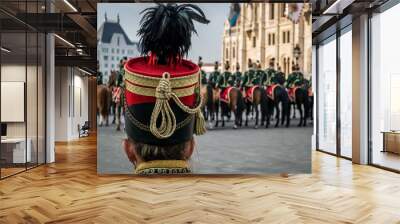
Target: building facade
{"x":263,"y":32}
{"x":113,"y":44}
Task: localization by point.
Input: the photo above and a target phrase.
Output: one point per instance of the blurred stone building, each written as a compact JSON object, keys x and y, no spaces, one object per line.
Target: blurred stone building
{"x":263,"y":32}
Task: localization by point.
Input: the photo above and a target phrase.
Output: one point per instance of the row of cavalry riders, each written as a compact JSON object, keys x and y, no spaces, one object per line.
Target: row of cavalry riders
{"x":259,"y":92}
{"x":256,"y":92}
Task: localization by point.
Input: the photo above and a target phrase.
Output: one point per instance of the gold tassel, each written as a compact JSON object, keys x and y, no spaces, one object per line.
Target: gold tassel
{"x":168,"y":119}
{"x":200,"y":124}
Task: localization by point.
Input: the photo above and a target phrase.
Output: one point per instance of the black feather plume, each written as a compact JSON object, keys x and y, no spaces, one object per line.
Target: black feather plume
{"x":166,"y":30}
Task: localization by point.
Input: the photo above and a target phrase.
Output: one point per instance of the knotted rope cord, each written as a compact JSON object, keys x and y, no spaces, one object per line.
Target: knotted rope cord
{"x":145,"y":127}
{"x":168,"y":121}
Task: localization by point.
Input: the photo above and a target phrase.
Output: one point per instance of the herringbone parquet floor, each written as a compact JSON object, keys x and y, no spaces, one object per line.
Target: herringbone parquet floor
{"x":70,"y":191}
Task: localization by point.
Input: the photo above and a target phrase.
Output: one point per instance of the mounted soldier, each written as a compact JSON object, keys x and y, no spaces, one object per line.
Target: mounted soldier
{"x":237,"y":76}
{"x":291,"y":77}
{"x":118,"y":94}
{"x":231,"y":98}
{"x":214,"y":76}
{"x":203,"y":73}
{"x":222,"y":82}
{"x":248,"y":76}
{"x":260,"y":76}
{"x":270,"y":72}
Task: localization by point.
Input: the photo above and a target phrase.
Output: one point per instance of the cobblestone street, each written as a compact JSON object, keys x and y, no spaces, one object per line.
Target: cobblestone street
{"x":225,"y":150}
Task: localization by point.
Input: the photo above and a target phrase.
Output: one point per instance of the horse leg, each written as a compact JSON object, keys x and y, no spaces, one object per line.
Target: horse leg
{"x":113,"y":112}
{"x":252,"y":111}
{"x":262,"y":115}
{"x":256,"y":109}
{"x":311,"y":108}
{"x":268,"y":114}
{"x":211,"y":112}
{"x":294,"y":110}
{"x":287,"y":114}
{"x":247,"y":115}
{"x":240,"y":116}
{"x":203,"y":110}
{"x":301,"y":114}
{"x":107,"y":120}
{"x":216,"y":114}
{"x":118,"y":117}
{"x":306,"y":111}
{"x":236,"y":119}
{"x":283,"y":111}
{"x":224,"y":112}
{"x":277,"y":111}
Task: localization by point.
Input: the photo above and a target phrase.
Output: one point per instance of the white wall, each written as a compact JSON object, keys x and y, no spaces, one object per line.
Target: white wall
{"x":113,"y":45}
{"x":33,"y":126}
{"x":71,"y":102}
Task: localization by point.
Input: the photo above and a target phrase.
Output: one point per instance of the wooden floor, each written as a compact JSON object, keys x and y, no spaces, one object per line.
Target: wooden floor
{"x":70,"y":191}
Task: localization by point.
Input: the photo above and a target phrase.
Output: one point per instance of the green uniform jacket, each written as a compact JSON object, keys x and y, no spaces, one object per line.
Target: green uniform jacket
{"x":223,"y":80}
{"x":291,"y":79}
{"x":213,"y":79}
{"x":270,"y":73}
{"x":278,"y":78}
{"x":203,"y":77}
{"x":237,"y":78}
{"x":260,"y":77}
{"x":248,"y":77}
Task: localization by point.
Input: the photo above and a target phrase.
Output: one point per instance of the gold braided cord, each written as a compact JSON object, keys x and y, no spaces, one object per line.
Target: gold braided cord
{"x":148,"y":81}
{"x":145,"y":127}
{"x":168,"y":121}
{"x":144,"y":91}
{"x":163,"y":93}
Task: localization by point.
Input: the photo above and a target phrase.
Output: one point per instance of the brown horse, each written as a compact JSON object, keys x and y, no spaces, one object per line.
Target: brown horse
{"x":258,"y":100}
{"x":210,"y":103}
{"x":111,"y":82}
{"x":302,"y":103}
{"x":280,"y":102}
{"x":117,"y":99}
{"x":103,"y":103}
{"x":235,"y":105}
